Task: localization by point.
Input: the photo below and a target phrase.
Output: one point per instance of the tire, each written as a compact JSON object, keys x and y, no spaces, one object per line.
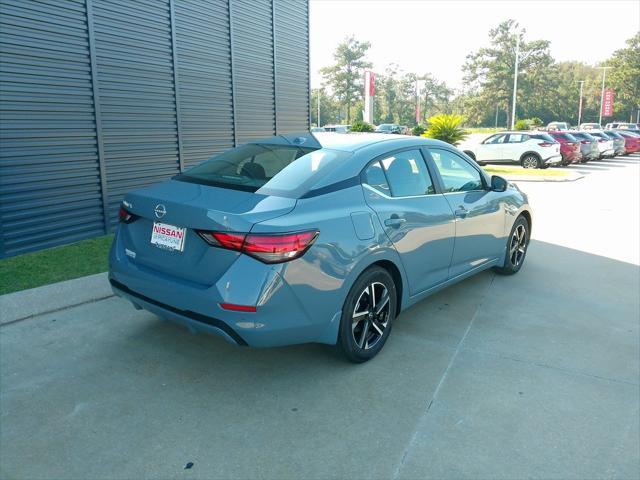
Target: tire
{"x":515,"y":258}
{"x":531,"y":160}
{"x":359,"y":337}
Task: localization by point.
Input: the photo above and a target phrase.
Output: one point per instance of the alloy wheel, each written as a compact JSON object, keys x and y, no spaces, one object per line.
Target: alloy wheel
{"x":370,"y":315}
{"x":518,"y":245}
{"x":530,"y":162}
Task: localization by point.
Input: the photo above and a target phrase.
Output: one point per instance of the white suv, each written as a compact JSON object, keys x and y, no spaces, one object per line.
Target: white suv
{"x":529,"y":149}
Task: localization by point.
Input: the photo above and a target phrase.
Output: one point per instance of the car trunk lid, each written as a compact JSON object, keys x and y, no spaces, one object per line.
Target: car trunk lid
{"x":193,"y":207}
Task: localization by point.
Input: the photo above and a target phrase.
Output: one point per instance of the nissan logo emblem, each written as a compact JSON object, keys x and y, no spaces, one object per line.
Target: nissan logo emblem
{"x":160,"y":210}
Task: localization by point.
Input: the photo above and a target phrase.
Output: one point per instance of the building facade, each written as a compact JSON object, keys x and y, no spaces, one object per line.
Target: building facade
{"x":98,"y":97}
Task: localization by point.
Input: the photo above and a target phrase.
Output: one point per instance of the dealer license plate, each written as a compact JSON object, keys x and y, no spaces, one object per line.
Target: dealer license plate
{"x":168,"y":237}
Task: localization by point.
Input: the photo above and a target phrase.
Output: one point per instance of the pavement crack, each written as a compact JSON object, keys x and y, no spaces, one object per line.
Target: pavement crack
{"x":551,"y":367}
{"x":409,"y":446}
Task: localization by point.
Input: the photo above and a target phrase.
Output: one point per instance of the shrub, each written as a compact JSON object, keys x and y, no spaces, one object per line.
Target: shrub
{"x":447,"y":128}
{"x":360,"y":126}
{"x":528,"y":123}
{"x":418,"y":130}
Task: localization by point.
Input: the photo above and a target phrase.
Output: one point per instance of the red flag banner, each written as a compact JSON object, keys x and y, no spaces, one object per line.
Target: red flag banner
{"x":607,"y":103}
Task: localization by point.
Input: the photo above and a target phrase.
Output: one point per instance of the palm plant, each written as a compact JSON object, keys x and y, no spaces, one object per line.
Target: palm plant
{"x":446,"y":127}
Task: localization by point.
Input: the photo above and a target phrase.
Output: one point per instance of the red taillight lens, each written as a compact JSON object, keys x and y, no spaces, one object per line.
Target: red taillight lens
{"x":602,"y":140}
{"x":547,"y":144}
{"x":239,"y":308}
{"x":585,"y":142}
{"x":125,"y":216}
{"x":268,"y":248}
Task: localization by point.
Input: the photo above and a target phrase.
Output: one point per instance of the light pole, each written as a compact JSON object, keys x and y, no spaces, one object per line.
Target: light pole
{"x":319,"y":124}
{"x":604,"y":75}
{"x":581,"y":82}
{"x":496,"y":116}
{"x":515,"y":82}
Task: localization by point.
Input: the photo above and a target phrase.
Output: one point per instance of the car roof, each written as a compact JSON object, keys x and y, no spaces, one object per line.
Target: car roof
{"x":353,"y":141}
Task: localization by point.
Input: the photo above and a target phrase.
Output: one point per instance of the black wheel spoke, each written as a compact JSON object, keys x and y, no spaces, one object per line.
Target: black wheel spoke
{"x":370,"y":315}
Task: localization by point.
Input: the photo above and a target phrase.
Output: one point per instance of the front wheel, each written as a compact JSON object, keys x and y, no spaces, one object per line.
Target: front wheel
{"x":517,"y":245}
{"x":531,"y":161}
{"x":367,"y":315}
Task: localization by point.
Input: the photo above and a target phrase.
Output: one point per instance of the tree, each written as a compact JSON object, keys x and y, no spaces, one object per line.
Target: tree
{"x":624,"y":77}
{"x":360,"y":126}
{"x":329,"y":108}
{"x":490,"y":70}
{"x":346,"y":76}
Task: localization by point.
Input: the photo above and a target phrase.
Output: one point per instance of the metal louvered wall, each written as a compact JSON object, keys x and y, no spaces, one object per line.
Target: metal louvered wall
{"x":98,"y":97}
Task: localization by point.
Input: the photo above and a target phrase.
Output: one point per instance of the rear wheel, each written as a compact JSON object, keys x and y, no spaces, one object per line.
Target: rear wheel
{"x":367,"y":315}
{"x":531,"y":161}
{"x":517,"y":245}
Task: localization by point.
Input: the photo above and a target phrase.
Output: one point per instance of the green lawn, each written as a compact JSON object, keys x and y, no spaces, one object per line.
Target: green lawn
{"x":54,"y":264}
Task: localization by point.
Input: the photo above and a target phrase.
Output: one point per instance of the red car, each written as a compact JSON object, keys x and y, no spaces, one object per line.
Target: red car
{"x":569,"y":147}
{"x":631,"y":141}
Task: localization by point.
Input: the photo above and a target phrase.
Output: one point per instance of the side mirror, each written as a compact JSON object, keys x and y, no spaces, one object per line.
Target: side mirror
{"x":498,"y":184}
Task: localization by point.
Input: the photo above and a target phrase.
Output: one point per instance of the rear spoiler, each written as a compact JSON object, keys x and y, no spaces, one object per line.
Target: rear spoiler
{"x":302,"y":139}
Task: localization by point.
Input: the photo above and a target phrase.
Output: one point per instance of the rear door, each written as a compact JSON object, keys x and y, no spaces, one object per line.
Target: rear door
{"x":479,"y":213}
{"x":415,"y":217}
{"x":515,"y":146}
{"x":492,"y":149}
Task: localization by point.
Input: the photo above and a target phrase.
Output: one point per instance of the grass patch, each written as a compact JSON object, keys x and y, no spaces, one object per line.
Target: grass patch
{"x":526,"y":172}
{"x":54,"y":264}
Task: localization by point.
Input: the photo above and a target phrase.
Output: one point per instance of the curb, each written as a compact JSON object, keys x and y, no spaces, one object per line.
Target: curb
{"x":50,"y":298}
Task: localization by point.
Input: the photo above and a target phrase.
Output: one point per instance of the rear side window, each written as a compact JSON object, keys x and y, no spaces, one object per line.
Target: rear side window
{"x":565,"y":136}
{"x":266,"y":169}
{"x":457,"y":174}
{"x":518,"y":137}
{"x":403,"y":174}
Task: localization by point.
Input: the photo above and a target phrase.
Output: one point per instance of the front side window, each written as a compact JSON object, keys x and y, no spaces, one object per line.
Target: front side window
{"x":499,"y":138}
{"x":457,"y":174}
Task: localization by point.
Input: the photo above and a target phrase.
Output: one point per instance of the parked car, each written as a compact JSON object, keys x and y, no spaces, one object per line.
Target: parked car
{"x":314,"y":238}
{"x":631,"y":141}
{"x":618,"y":142}
{"x":529,"y":149}
{"x":337,"y":128}
{"x":622,"y":126}
{"x":556,"y":126}
{"x":590,"y":126}
{"x":388,"y":128}
{"x":588,"y":145}
{"x":404,"y":130}
{"x":605,"y":144}
{"x":569,"y":147}
{"x":317,"y":129}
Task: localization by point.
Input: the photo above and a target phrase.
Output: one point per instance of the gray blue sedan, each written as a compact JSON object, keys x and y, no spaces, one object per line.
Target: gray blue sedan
{"x":315,"y":238}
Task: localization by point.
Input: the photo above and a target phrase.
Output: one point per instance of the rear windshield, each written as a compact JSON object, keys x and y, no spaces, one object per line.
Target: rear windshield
{"x":600,"y":135}
{"x":613,"y":135}
{"x":280,"y":170}
{"x":565,"y":136}
{"x":584,"y":136}
{"x":544,"y":136}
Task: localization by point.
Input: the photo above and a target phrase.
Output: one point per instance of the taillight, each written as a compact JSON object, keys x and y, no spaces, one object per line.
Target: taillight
{"x":547,"y":144}
{"x":602,"y":140}
{"x":125,"y":216}
{"x":268,"y":248}
{"x":585,"y":142}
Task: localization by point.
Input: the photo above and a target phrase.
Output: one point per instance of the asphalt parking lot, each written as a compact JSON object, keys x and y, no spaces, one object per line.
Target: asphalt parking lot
{"x":532,"y":376}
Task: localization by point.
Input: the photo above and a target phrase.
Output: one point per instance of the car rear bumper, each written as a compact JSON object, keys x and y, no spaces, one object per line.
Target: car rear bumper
{"x":280,"y":317}
{"x":553,"y":160}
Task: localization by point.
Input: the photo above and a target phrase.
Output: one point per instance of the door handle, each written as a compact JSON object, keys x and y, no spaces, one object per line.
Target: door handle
{"x":461,"y":212}
{"x":395,"y":221}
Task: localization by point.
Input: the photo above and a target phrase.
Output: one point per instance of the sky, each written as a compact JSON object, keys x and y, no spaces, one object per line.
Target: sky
{"x":435,"y":36}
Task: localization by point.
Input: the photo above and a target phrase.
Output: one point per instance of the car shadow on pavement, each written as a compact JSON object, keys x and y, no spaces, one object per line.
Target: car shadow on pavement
{"x":522,"y":376}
